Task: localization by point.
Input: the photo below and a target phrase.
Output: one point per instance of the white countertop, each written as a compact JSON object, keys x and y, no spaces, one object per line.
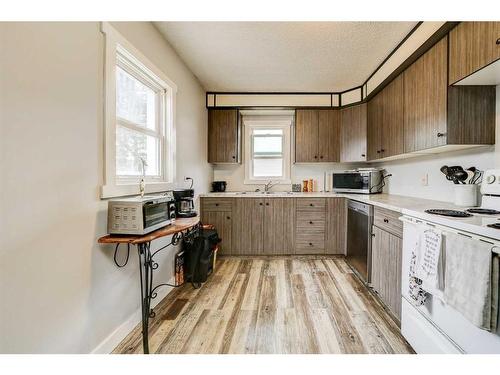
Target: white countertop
{"x":414,"y":207}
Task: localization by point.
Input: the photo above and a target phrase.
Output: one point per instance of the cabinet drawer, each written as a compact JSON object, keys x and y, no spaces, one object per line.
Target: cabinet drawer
{"x":306,"y":243}
{"x":310,"y":223}
{"x":216,"y":204}
{"x":388,"y":220}
{"x":311,"y":204}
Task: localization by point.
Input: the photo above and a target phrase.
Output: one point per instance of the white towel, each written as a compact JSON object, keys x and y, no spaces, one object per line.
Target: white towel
{"x":430,"y":261}
{"x":469,"y":280}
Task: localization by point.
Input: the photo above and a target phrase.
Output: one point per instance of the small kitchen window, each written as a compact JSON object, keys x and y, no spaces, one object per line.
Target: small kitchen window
{"x":267,"y":149}
{"x":139,"y":120}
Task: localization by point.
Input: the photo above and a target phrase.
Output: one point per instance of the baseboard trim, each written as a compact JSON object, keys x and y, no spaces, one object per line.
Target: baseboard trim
{"x":111,"y":342}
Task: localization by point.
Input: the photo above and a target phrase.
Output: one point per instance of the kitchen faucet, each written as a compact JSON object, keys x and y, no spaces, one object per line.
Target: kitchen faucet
{"x":269,"y":185}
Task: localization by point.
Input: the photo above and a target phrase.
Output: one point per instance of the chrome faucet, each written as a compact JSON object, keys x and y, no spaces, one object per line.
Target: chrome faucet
{"x":269,"y":185}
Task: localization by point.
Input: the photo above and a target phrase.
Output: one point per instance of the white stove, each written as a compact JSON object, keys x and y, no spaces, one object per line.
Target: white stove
{"x":435,"y":327}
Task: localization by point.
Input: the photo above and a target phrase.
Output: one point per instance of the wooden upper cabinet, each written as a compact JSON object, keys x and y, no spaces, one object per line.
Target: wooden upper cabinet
{"x":385,"y":121}
{"x":223,"y":136}
{"x":374,"y":127}
{"x":353,"y":133}
{"x":392,"y":118}
{"x":317,"y":135}
{"x":329,"y":135}
{"x":306,"y":135}
{"x":473,"y":45}
{"x":425,"y":97}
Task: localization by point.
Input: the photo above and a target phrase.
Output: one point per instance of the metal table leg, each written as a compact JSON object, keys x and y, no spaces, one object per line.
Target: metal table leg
{"x":146,"y":276}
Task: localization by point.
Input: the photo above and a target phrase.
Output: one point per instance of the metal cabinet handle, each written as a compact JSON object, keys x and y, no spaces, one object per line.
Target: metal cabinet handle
{"x":386,"y":221}
{"x":228,"y":217}
{"x":260,"y":204}
{"x":373,"y":234}
{"x":310,"y":204}
{"x":441,"y":134}
{"x":234,"y":157}
{"x":310,"y":244}
{"x":382,"y":150}
{"x":315,"y":156}
{"x":363,"y":155}
{"x":321,"y":157}
{"x":267,"y":204}
{"x":310,"y":222}
{"x":498,"y":41}
{"x":217,"y":204}
{"x":378,"y":151}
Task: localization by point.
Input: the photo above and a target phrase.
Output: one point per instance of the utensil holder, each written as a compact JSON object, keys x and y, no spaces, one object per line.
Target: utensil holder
{"x":466,"y":195}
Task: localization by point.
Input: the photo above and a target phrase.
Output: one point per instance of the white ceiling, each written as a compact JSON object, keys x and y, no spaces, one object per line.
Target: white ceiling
{"x":283,"y":56}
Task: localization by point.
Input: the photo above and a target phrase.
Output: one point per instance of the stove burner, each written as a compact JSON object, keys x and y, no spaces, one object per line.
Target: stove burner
{"x":453,"y":213}
{"x":494,"y":225}
{"x":484,"y":211}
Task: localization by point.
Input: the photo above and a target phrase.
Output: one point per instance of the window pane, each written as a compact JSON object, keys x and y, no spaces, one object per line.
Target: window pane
{"x":268,"y":167}
{"x":130,"y":147}
{"x":135,"y":101}
{"x":268,"y":131}
{"x":267,"y":145}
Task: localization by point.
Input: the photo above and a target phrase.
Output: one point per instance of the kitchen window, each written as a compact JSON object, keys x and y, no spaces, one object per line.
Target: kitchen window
{"x":139,"y":120}
{"x":267,"y":149}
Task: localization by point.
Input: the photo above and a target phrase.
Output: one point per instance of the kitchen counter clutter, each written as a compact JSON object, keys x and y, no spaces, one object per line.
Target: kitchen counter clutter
{"x":410,"y":206}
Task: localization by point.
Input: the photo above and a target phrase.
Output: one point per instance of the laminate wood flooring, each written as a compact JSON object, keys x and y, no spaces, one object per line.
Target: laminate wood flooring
{"x":299,"y":304}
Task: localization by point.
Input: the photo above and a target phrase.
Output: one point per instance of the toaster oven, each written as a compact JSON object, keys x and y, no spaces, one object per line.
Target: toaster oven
{"x":140,"y":215}
{"x":358,"y":181}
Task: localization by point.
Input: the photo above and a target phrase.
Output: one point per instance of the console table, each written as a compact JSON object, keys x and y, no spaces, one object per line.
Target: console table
{"x":180,"y":230}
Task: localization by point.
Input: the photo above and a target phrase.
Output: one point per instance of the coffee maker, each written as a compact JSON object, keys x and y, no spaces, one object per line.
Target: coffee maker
{"x":184,"y":203}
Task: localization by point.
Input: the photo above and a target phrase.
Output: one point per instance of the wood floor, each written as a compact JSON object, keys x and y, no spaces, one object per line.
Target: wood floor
{"x":272,"y":305}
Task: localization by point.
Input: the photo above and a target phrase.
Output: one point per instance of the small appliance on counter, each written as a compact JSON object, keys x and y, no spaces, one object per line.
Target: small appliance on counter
{"x":140,"y":215}
{"x":184,"y":202}
{"x":219,"y":186}
{"x":362,"y":180}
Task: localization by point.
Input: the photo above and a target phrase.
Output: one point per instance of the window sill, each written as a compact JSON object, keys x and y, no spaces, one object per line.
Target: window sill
{"x":114,"y":191}
{"x":263,"y":182}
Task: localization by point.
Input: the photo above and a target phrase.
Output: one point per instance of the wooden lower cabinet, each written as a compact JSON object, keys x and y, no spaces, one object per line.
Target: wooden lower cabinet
{"x":223,"y":222}
{"x":278,"y":226}
{"x":386,"y":268}
{"x":279,"y":218}
{"x":248,"y":226}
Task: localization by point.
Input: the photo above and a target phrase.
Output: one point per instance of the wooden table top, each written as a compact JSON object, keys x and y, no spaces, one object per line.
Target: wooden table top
{"x":180,"y":225}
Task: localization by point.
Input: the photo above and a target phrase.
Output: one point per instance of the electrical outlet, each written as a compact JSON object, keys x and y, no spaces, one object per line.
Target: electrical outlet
{"x":424,"y":180}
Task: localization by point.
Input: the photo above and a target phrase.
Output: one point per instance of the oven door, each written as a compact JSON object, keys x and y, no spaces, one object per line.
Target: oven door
{"x":351,"y":182}
{"x":155,"y":215}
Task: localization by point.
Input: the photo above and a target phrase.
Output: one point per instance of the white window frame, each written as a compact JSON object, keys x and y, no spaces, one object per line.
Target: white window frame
{"x":267,"y":122}
{"x":118,"y":51}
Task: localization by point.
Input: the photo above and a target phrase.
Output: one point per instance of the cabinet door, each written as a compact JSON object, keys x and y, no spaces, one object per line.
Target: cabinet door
{"x":394,"y":275}
{"x":223,"y":136}
{"x":473,"y":45}
{"x":336,"y":226}
{"x":425,"y":95}
{"x":248,"y":226}
{"x":329,"y":135}
{"x":374,"y":126}
{"x":279,"y":226}
{"x":223,"y":223}
{"x":306,"y":136}
{"x":386,"y":268}
{"x":353,"y":133}
{"x":392,"y":118}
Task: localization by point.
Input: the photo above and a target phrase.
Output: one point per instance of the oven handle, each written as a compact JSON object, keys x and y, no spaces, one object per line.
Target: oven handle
{"x":445,"y":229}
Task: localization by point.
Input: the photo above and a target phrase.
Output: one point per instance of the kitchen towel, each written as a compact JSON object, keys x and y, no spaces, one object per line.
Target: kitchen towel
{"x":430,"y":261}
{"x":471,"y":280}
{"x":418,"y":296}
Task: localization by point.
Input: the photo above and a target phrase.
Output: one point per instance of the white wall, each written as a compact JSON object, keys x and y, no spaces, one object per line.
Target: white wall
{"x":60,"y":291}
{"x":406,"y":174}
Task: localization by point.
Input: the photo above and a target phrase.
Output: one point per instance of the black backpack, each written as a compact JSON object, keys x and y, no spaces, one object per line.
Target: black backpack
{"x":199,"y":256}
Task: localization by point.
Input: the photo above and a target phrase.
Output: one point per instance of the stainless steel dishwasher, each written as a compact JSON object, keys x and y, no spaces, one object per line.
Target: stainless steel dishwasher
{"x":359,"y":238}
